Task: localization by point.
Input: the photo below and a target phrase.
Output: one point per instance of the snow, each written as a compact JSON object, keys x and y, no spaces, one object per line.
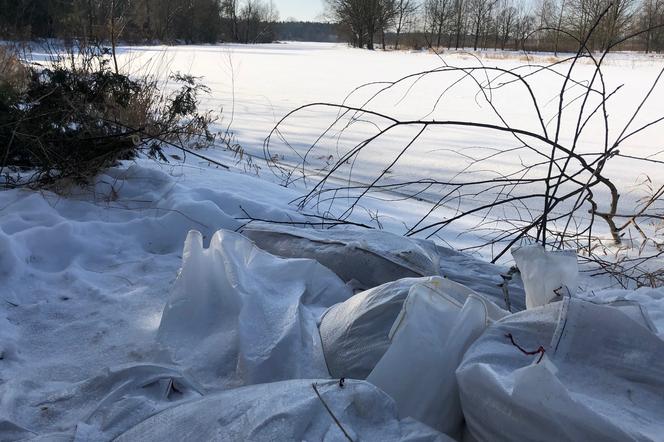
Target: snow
{"x":256,"y":85}
{"x":86,"y":278}
{"x":85,"y":275}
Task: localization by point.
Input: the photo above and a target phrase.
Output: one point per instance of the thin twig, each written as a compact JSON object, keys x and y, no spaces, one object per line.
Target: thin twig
{"x":334,"y":418}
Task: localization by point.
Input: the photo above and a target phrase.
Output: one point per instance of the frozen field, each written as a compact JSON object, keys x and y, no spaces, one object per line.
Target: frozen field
{"x":86,"y":350}
{"x":258,"y":85}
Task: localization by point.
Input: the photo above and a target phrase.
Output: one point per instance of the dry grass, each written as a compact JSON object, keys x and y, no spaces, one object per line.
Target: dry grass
{"x":13,"y":74}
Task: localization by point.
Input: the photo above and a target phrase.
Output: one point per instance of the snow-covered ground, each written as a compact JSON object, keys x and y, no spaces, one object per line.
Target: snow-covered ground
{"x":255,"y":86}
{"x":85,"y":277}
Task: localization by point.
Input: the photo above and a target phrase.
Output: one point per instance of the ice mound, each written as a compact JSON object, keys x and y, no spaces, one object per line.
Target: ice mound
{"x":369,"y":258}
{"x":546,"y":274}
{"x":597,"y":376}
{"x":240,"y":313}
{"x":439,"y":320}
{"x":355,"y":333}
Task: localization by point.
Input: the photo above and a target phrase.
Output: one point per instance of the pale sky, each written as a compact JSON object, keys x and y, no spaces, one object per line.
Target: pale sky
{"x":305,"y":10}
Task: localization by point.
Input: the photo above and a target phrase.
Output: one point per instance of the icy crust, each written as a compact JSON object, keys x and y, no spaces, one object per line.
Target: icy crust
{"x":645,"y":302}
{"x":368,"y":257}
{"x":546,"y":275}
{"x":356,"y":333}
{"x":439,"y":320}
{"x":121,"y":397}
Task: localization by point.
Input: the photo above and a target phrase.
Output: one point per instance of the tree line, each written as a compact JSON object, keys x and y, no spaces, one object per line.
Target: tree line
{"x":189,"y":21}
{"x":547,"y":25}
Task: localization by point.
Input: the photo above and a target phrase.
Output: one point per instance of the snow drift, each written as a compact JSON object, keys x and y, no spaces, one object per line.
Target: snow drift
{"x":238,"y":316}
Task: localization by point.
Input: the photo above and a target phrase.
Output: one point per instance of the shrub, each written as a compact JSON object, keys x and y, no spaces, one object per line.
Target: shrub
{"x":70,"y":121}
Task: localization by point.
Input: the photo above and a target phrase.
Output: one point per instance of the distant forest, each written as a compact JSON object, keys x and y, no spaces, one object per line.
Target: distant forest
{"x":544,"y":25}
{"x":147,"y":21}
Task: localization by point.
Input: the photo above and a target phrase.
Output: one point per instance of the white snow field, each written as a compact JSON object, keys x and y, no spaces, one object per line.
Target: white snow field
{"x":117,"y":322}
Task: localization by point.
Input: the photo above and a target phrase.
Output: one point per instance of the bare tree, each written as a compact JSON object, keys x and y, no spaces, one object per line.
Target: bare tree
{"x":229,"y":11}
{"x":350,"y":15}
{"x":652,"y":13}
{"x":385,"y":16}
{"x":555,"y":194}
{"x":460,"y":8}
{"x":505,"y":22}
{"x":365,"y":19}
{"x":480,"y":12}
{"x":437,"y":17}
{"x":524,"y":25}
{"x":115,"y":28}
{"x":405,"y":11}
{"x":617,"y":21}
{"x":248,"y":21}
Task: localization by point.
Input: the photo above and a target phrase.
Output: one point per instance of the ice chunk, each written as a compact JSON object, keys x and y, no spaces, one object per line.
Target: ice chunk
{"x":438,"y":322}
{"x":238,"y":312}
{"x":600,"y":377}
{"x":546,"y":274}
{"x":370,"y":258}
{"x":355,"y":333}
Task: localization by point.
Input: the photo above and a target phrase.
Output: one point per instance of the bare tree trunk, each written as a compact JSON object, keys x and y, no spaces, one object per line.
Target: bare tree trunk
{"x":90,"y":21}
{"x":370,"y":38}
{"x":458,"y":28}
{"x":560,"y":21}
{"x":649,"y":28}
{"x":148,"y":13}
{"x":398,"y":30}
{"x":477,"y":33}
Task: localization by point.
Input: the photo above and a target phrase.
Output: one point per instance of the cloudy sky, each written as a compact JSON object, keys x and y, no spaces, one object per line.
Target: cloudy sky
{"x":299,"y":9}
